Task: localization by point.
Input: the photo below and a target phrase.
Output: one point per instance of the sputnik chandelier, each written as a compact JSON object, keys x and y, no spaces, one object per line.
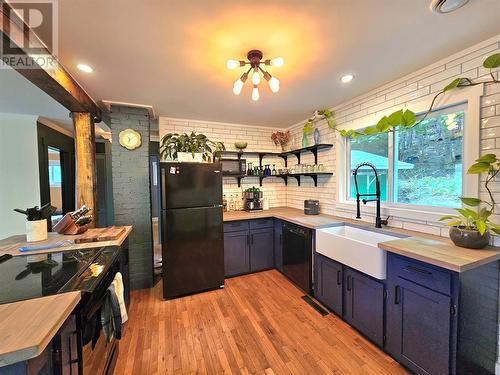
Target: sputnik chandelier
{"x":254,"y":60}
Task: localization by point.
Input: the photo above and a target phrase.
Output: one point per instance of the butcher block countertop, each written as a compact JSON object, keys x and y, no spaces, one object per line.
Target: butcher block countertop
{"x":11,"y":245}
{"x":292,"y":215}
{"x":26,"y":327}
{"x":435,"y":250}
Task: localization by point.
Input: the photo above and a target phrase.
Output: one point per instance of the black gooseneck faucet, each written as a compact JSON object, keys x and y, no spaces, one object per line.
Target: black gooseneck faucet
{"x":378,"y":220}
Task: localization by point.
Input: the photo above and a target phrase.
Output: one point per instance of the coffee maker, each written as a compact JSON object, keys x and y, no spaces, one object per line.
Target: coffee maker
{"x":253,"y":200}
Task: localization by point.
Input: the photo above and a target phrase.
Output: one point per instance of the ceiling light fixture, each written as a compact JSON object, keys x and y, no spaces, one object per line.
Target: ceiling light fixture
{"x":347,"y":78}
{"x":85,"y":68}
{"x":254,"y":60}
{"x":447,"y":6}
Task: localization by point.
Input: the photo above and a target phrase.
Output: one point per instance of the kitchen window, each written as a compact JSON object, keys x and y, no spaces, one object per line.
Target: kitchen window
{"x":417,"y":167}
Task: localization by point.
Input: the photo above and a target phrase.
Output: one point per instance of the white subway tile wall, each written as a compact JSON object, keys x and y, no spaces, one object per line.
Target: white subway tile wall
{"x":258,"y":138}
{"x":401,"y":92}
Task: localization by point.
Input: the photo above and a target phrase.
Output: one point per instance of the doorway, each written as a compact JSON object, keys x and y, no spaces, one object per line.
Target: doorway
{"x":56,"y":163}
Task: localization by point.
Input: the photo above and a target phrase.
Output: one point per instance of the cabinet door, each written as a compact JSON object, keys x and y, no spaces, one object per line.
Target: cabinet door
{"x":418,"y":327}
{"x":364,"y":304}
{"x":261,"y":249}
{"x":236,"y":253}
{"x":278,"y":244}
{"x":328,"y":284}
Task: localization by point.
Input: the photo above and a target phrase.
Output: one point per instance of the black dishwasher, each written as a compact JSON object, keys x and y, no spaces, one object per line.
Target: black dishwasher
{"x":297,"y":255}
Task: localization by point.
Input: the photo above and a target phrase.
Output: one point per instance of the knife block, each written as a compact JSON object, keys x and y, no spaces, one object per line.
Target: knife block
{"x":67,"y":226}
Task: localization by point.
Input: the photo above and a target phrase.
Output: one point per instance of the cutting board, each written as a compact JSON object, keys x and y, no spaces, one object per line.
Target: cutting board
{"x":101,"y":234}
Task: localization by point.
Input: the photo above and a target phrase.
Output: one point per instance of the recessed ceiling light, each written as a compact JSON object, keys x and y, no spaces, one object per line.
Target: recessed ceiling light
{"x":347,"y":78}
{"x":85,"y":68}
{"x":447,"y":6}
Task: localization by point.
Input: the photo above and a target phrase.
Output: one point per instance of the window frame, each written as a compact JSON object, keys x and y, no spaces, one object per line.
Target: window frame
{"x":468,"y":97}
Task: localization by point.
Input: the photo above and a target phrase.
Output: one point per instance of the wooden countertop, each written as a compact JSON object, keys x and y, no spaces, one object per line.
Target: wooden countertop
{"x":26,"y":327}
{"x":292,"y":215}
{"x":427,"y":248}
{"x":11,"y":245}
{"x":441,"y":253}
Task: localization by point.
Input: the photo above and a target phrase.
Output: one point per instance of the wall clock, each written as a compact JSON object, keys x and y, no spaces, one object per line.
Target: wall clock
{"x":130,"y":139}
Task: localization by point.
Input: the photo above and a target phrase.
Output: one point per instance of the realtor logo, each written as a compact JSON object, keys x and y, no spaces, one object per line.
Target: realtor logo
{"x":29,"y":29}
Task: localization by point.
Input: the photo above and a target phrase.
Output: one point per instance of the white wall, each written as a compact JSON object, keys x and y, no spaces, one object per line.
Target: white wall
{"x":19,"y":179}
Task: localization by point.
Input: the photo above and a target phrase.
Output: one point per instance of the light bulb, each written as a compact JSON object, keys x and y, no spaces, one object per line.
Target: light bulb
{"x":255,"y":94}
{"x":255,"y":77}
{"x":238,"y":85}
{"x":278,"y":62}
{"x":347,"y":78}
{"x":274,"y":84}
{"x":232,"y":64}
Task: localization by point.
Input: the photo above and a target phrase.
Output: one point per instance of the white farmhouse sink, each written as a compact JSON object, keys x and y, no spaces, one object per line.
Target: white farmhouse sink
{"x":354,"y":247}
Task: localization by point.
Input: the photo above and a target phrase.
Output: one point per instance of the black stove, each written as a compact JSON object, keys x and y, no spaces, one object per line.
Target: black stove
{"x":31,"y":276}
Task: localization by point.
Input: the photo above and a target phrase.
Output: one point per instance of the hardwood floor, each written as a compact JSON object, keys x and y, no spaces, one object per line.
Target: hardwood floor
{"x":257,"y":324}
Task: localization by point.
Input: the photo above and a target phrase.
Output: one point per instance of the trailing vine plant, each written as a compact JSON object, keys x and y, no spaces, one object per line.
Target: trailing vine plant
{"x":320,"y":114}
{"x":406,"y":118}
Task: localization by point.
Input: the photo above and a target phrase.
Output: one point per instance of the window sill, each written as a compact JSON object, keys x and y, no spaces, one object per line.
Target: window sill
{"x":425,"y":214}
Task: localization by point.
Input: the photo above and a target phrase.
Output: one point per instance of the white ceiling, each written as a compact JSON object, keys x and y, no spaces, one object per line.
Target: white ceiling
{"x":171,"y":54}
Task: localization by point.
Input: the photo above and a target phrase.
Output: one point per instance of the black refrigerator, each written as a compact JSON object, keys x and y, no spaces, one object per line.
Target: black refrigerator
{"x":192,"y":232}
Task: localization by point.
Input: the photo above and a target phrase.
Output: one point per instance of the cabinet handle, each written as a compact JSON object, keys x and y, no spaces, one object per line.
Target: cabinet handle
{"x":281,"y":238}
{"x":338,"y":277}
{"x":248,"y":239}
{"x":397,"y":295}
{"x":348,"y":286}
{"x":416,"y":269}
{"x":251,"y":239}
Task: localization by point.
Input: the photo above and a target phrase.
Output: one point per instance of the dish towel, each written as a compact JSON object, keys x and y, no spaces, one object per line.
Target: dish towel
{"x":119,"y":290}
{"x":111,"y":318}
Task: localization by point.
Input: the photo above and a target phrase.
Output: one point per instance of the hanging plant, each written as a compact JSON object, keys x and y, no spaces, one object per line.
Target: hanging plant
{"x":408,"y":119}
{"x":321,"y":114}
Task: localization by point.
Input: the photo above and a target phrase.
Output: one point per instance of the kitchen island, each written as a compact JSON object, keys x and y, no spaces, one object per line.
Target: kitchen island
{"x":38,"y":312}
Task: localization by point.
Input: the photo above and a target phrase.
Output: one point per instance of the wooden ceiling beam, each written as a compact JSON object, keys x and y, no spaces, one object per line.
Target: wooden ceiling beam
{"x":53,"y":79}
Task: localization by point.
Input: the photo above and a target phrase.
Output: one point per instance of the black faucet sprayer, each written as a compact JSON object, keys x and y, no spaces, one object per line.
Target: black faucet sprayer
{"x":378,"y":220}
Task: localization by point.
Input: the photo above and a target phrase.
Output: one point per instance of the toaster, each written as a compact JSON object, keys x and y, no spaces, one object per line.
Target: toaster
{"x":311,"y":207}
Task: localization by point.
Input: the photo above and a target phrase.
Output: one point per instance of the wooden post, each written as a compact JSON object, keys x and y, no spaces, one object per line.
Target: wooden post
{"x":86,"y":191}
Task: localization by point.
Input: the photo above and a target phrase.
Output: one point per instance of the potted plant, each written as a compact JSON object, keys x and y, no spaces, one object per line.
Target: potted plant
{"x":189,"y":148}
{"x":471,"y":227}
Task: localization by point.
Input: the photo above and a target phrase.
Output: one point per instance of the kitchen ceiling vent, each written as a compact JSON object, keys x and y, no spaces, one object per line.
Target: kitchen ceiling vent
{"x":447,"y":6}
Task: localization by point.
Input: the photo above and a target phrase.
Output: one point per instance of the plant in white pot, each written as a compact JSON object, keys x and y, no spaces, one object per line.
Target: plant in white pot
{"x":471,"y":227}
{"x":189,"y":148}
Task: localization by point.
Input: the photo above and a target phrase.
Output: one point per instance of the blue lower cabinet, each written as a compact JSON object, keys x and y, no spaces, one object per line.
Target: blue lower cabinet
{"x":418,"y":327}
{"x":278,"y":244}
{"x":364,"y":304}
{"x":261,"y":249}
{"x":328,"y":285}
{"x":236,"y":253}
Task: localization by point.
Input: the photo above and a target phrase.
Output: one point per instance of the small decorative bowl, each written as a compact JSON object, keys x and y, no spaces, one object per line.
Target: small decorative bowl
{"x":241,"y":145}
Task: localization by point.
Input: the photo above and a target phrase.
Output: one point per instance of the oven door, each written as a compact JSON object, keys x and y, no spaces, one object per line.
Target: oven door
{"x":99,"y":355}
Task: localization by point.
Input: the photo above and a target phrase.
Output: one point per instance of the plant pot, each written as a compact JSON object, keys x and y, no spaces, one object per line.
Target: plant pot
{"x":36,"y":230}
{"x":470,"y":239}
{"x":187,"y":157}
